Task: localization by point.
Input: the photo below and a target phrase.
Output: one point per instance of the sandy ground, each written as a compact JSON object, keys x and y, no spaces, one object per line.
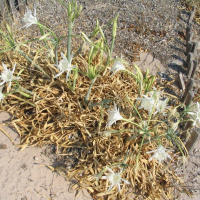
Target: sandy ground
{"x":24,"y":175}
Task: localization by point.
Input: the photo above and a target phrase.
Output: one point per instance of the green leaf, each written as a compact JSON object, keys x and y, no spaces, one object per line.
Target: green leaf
{"x":44,"y":36}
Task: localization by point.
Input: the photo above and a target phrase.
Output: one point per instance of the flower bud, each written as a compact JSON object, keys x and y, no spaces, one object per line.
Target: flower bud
{"x":69,"y":9}
{"x":114,"y":30}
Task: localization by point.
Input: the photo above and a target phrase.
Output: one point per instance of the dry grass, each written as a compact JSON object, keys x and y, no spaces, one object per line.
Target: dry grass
{"x":60,"y":117}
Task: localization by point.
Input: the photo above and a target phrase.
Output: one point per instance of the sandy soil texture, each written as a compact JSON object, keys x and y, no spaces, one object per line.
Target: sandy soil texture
{"x":24,"y":175}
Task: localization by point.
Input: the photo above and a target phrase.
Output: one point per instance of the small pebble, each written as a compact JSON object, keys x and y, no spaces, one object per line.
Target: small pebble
{"x":195,"y":150}
{"x":36,"y":158}
{"x":3,"y":146}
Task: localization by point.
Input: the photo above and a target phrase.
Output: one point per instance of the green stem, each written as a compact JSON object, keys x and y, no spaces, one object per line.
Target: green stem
{"x":54,"y":35}
{"x":134,"y":107}
{"x":38,"y":67}
{"x":22,"y":99}
{"x":69,"y":38}
{"x":111,"y":49}
{"x":42,"y":33}
{"x":131,"y":73}
{"x":56,"y":54}
{"x":178,"y":146}
{"x":75,"y":76}
{"x":126,"y":120}
{"x":24,"y":94}
{"x":89,"y":90}
{"x":25,"y":90}
{"x":141,"y":144}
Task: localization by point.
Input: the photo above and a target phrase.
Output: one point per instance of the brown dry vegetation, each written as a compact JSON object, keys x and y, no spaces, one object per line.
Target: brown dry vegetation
{"x":60,"y":117}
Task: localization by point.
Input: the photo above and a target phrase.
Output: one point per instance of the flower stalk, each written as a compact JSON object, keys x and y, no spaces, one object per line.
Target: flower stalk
{"x":89,"y":90}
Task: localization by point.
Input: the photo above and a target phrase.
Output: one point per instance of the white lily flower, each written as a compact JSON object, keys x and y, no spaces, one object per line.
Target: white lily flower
{"x":113,"y":115}
{"x":197,"y":114}
{"x":152,"y":101}
{"x":155,"y":94}
{"x":7,"y":75}
{"x":30,"y":19}
{"x":65,"y":65}
{"x":160,"y":154}
{"x":161,"y":106}
{"x":116,"y":67}
{"x":115,"y":179}
{"x":1,"y":95}
{"x":147,"y":103}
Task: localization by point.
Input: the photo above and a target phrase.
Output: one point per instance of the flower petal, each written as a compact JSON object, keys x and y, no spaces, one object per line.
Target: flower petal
{"x":119,"y":189}
{"x":4,"y":66}
{"x":110,"y":170}
{"x":125,"y":181}
{"x":13,"y":68}
{"x":110,"y":188}
{"x":104,"y":177}
{"x":58,"y":74}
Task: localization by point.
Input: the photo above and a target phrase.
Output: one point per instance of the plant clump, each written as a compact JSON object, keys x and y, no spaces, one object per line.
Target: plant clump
{"x":120,"y":127}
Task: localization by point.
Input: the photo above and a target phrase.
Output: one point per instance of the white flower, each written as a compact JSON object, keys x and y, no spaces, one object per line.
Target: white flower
{"x":30,"y":19}
{"x":114,"y":179}
{"x":152,"y":101}
{"x":197,"y":115}
{"x":155,"y":94}
{"x":7,"y":75}
{"x":1,"y":94}
{"x":65,"y":65}
{"x":113,"y":115}
{"x":160,"y":154}
{"x":161,"y":106}
{"x":116,"y":67}
{"x":147,"y":103}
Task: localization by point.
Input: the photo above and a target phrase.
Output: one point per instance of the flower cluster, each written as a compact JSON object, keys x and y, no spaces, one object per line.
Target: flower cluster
{"x":153,"y":102}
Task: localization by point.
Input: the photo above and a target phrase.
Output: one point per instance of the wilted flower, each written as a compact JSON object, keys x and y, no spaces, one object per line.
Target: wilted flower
{"x":114,"y":179}
{"x":160,"y":154}
{"x":65,"y":65}
{"x":1,"y":94}
{"x":197,"y":114}
{"x":30,"y":19}
{"x":7,"y":75}
{"x":174,"y":125}
{"x":113,"y":115}
{"x":116,"y":67}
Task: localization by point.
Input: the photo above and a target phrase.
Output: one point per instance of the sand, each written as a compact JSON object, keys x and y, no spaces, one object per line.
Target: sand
{"x":24,"y":175}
